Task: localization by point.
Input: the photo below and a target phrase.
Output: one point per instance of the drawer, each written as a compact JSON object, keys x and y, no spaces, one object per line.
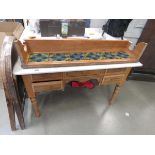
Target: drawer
{"x":46,"y":77}
{"x":116,"y":71}
{"x":102,"y":72}
{"x":113,"y":79}
{"x":82,"y":73}
{"x":47,"y":86}
{"x":81,"y":79}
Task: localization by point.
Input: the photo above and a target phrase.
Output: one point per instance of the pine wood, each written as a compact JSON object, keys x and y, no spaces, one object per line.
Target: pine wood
{"x":47,"y":77}
{"x":82,"y":73}
{"x":47,"y":86}
{"x":35,"y":106}
{"x":76,"y":45}
{"x":118,"y":86}
{"x":115,"y":71}
{"x":57,"y":81}
{"x":22,"y":52}
{"x":115,"y":94}
{"x":81,"y":78}
{"x":139,"y":50}
{"x":31,"y":93}
{"x":112,"y":79}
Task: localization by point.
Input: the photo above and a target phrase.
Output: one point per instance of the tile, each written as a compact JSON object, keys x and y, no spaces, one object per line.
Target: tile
{"x":38,"y":57}
{"x":77,"y":56}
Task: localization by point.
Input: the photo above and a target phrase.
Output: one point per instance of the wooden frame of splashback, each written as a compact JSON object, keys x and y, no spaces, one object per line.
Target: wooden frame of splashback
{"x":32,"y":46}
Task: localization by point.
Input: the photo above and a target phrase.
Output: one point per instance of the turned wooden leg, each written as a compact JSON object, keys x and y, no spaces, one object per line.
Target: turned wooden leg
{"x":31,"y":94}
{"x":35,"y":106}
{"x":118,"y":85}
{"x":115,"y":94}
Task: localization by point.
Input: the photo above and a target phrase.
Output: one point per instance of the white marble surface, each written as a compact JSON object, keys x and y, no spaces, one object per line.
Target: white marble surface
{"x":18,"y":70}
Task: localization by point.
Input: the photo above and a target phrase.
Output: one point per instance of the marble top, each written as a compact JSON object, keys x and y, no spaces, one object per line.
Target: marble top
{"x":18,"y":70}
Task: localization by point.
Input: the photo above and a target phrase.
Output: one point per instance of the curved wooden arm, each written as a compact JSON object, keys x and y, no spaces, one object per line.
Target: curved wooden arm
{"x":8,"y":59}
{"x":139,"y":49}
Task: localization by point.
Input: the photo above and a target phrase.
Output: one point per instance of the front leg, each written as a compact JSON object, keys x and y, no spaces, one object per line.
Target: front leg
{"x":31,"y":94}
{"x":115,"y":94}
{"x":35,"y":106}
{"x":118,"y":86}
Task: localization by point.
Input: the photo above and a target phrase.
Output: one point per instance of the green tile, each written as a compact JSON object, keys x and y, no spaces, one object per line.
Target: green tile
{"x":38,"y":57}
{"x":71,"y":56}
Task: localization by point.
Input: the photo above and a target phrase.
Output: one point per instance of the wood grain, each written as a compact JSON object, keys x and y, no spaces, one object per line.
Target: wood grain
{"x":21,"y":52}
{"x":139,"y":50}
{"x":47,"y":77}
{"x":47,"y":86}
{"x":112,"y":79}
{"x":47,"y":82}
{"x":116,"y":71}
{"x":74,"y":45}
{"x":11,"y":92}
{"x":31,"y":93}
{"x":56,"y":81}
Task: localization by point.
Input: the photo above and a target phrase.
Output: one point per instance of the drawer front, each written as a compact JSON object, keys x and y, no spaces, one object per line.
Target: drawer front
{"x":102,"y":72}
{"x":81,"y":79}
{"x":47,"y":77}
{"x":47,"y":86}
{"x":82,"y":73}
{"x":113,"y":79}
{"x":116,"y":71}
